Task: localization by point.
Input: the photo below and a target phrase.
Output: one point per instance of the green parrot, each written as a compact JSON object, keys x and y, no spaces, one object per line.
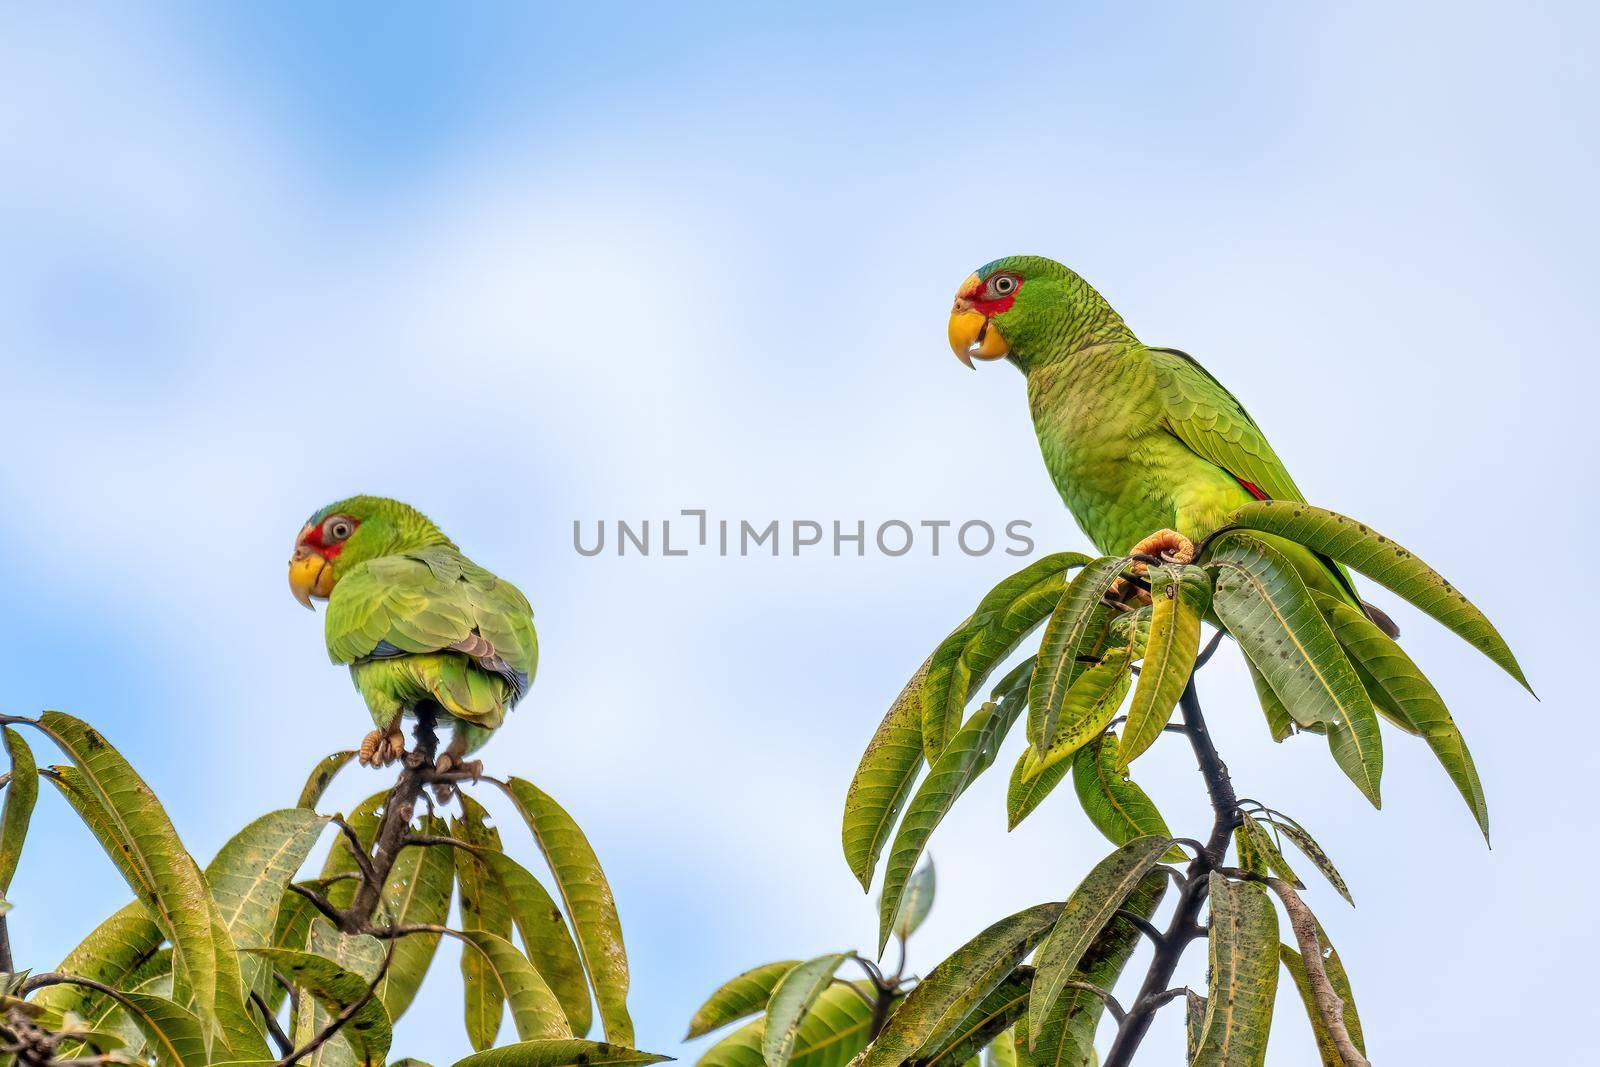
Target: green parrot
{"x":1148,"y":450}
{"x":419,"y":624}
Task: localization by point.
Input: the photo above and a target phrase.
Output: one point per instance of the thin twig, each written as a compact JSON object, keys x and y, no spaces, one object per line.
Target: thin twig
{"x":349,"y":1012}
{"x":357,"y":850}
{"x":1113,"y":1005}
{"x":866,"y":998}
{"x":1329,"y":1004}
{"x":1210,"y":650}
{"x":279,"y":1038}
{"x":322,"y":904}
{"x":1145,"y":926}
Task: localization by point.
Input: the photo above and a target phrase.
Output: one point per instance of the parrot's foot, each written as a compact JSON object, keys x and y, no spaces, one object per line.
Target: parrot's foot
{"x":1126,"y":595}
{"x":1169,"y":546}
{"x":380,"y":748}
{"x":451,"y":763}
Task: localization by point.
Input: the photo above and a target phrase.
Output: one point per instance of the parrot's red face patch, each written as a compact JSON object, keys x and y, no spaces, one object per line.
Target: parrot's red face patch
{"x":992,"y":295}
{"x":327,"y":538}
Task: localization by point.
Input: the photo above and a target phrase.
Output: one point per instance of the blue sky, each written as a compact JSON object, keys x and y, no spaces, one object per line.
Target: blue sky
{"x":521,"y":265}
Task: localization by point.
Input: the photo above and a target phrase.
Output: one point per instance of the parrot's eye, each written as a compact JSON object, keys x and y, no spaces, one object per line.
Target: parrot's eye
{"x":339,"y":528}
{"x":1003,"y":285}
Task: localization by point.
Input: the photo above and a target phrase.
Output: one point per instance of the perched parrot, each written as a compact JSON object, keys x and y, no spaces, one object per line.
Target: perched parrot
{"x":1147,"y":449}
{"x":420,"y":625}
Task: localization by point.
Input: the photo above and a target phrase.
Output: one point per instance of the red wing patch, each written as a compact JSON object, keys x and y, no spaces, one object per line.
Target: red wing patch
{"x":1251,"y":488}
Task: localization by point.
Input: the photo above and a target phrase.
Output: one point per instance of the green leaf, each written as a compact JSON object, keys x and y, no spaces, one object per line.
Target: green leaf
{"x":1114,"y":803}
{"x":883,"y":780}
{"x":566,"y":1052}
{"x":1090,"y":705}
{"x":1340,"y":981}
{"x":1244,"y":975}
{"x":1066,"y":1036}
{"x":968,"y":755}
{"x":955,"y":987}
{"x":535,"y":1011}
{"x":791,"y":1000}
{"x":250,"y":873}
{"x":831,"y":1035}
{"x":1357,"y":748}
{"x":1025,"y":793}
{"x":739,"y":996}
{"x":1311,"y":850}
{"x":1278,"y":719}
{"x":916,"y":901}
{"x":550,"y":947}
{"x":1085,"y":914}
{"x":361,"y":955}
{"x":136,"y":833}
{"x":1069,"y":634}
{"x":484,"y":906}
{"x":417,"y":892}
{"x":112,"y":953}
{"x":369,"y":1030}
{"x":1002,"y":1051}
{"x":1404,"y":684}
{"x":21,"y":794}
{"x":1180,"y":596}
{"x":990,"y":1020}
{"x":1003,"y":618}
{"x":1195,"y":1020}
{"x":321,"y":775}
{"x":588,"y":899}
{"x":171,"y":1032}
{"x":1355,"y":545}
{"x":1265,"y":605}
{"x":1265,"y":857}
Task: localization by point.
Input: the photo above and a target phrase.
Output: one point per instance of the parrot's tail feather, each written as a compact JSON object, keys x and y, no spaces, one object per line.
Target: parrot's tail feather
{"x":1381,"y":618}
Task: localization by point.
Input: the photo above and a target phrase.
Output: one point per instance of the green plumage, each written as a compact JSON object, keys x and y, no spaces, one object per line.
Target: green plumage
{"x":417,"y":621}
{"x":1136,"y":439}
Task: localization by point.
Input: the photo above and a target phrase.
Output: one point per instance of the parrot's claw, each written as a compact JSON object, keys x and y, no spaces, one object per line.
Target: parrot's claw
{"x":1169,"y":546}
{"x":449,"y":763}
{"x":381,"y":748}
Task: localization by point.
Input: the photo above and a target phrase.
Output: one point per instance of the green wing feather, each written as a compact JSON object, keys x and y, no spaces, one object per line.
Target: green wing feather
{"x":435,"y":600}
{"x":1207,"y":418}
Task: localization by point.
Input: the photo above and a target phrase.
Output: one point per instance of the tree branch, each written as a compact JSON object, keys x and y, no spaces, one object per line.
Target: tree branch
{"x":279,"y":1038}
{"x":1184,"y":926}
{"x":1329,"y":1004}
{"x":398,"y":808}
{"x":1113,"y":1005}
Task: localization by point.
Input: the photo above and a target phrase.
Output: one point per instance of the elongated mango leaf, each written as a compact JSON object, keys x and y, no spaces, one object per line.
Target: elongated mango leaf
{"x":1340,"y":981}
{"x":1244,"y":975}
{"x":1264,"y":855}
{"x":321,"y":775}
{"x":916,"y":901}
{"x":21,"y":793}
{"x":171,"y":1032}
{"x":1403,"y":683}
{"x":565,"y":1052}
{"x":535,"y":1011}
{"x":1086,"y":913}
{"x":990,"y":1020}
{"x":968,"y":755}
{"x":1069,"y":634}
{"x":1357,"y":748}
{"x":1265,"y":605}
{"x":739,"y":996}
{"x":1002,"y":1051}
{"x":1066,"y":1036}
{"x":112,"y":954}
{"x":1114,"y":803}
{"x":589,"y":903}
{"x":417,"y":893}
{"x":250,"y":873}
{"x":791,"y":1000}
{"x":1089,"y":707}
{"x":550,"y":947}
{"x":136,"y":833}
{"x":1311,"y":850}
{"x":1180,"y":596}
{"x":369,"y":1030}
{"x":831,"y":1035}
{"x":1194,"y":1021}
{"x":883,"y":780}
{"x":1376,"y":556}
{"x":1027,"y":791}
{"x":484,"y":906}
{"x":1006,"y":615}
{"x":1279,"y":721}
{"x":359,"y":954}
{"x":955,"y":987}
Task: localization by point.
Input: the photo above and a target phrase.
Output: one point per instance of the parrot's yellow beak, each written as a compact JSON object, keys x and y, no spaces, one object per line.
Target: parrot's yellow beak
{"x":971,"y":332}
{"x":309,"y":576}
